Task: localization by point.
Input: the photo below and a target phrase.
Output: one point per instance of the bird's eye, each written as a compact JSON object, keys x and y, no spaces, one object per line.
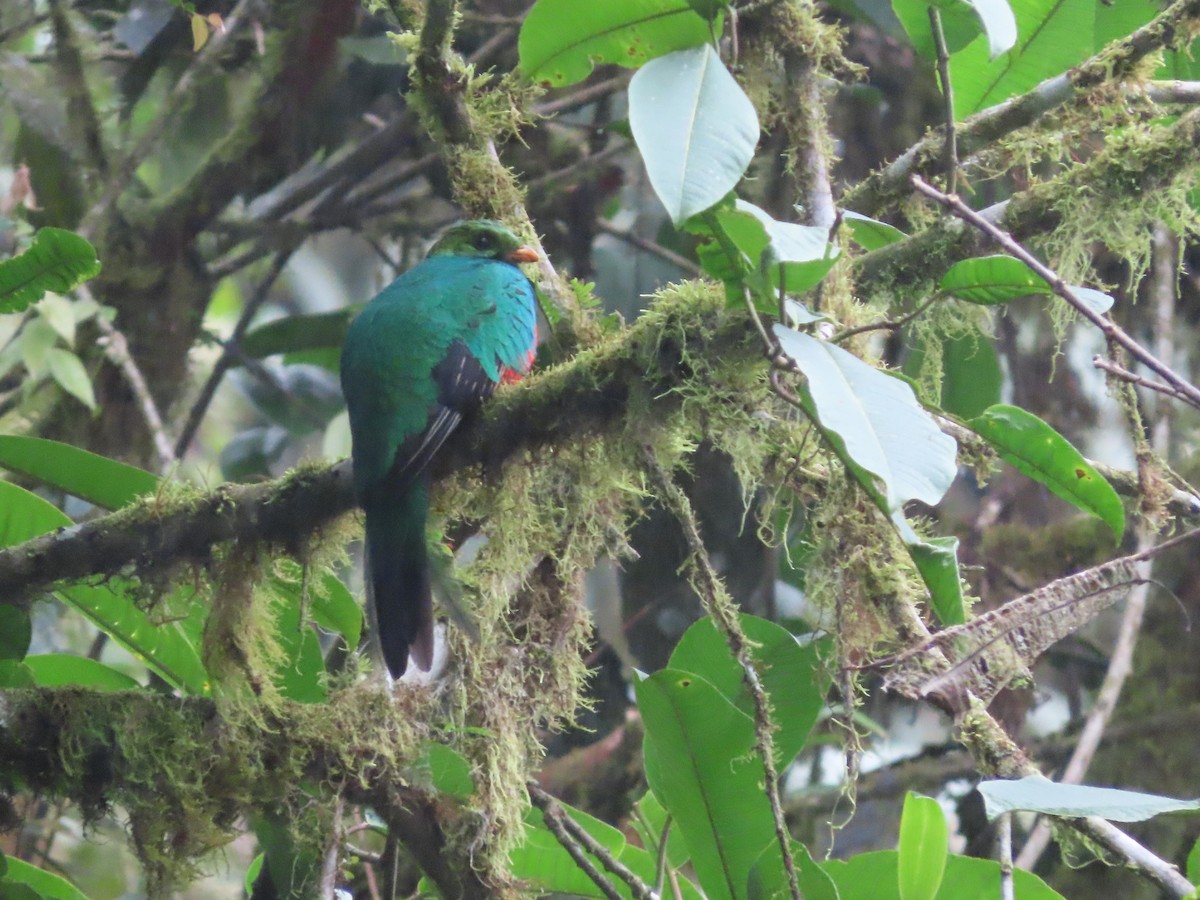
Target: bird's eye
{"x":482,"y":241}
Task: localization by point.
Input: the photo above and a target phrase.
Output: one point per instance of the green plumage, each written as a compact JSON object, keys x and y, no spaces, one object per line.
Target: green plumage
{"x":420,"y":357}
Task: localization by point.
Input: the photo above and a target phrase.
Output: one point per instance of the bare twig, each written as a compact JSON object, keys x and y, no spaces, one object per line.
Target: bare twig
{"x":950,"y":135}
{"x":227,"y":358}
{"x":556,"y":820}
{"x":116,"y":349}
{"x":724,"y":615}
{"x":1004,"y":839}
{"x":552,"y":809}
{"x":582,"y":97}
{"x":1123,"y":374}
{"x":1188,"y":391}
{"x":649,"y":247}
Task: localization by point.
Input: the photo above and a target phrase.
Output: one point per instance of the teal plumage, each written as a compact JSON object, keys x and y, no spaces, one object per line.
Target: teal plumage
{"x":419,"y":358}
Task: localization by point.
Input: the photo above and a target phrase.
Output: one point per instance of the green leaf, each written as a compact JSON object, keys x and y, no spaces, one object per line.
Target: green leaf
{"x":58,"y":669}
{"x":698,"y":763}
{"x":15,"y":674}
{"x":937,"y":561}
{"x":15,"y":632}
{"x":24,"y":515}
{"x":650,"y":822}
{"x":561,"y":40}
{"x":989,"y":280}
{"x":57,"y":260}
{"x":881,"y":425}
{"x":871,"y":234}
{"x":1044,"y":455}
{"x":300,"y":672}
{"x":1053,"y":36}
{"x":59,"y":313}
{"x":992,"y":279}
{"x":252,"y":871}
{"x":1193,"y":864}
{"x":790,"y":673}
{"x":293,"y":334}
{"x":167,"y":647}
{"x":445,"y":770}
{"x":768,"y":878}
{"x":924,"y":845}
{"x":330,"y":602}
{"x":1037,"y":794}
{"x":876,"y":875}
{"x":971,"y":375}
{"x":96,"y":479}
{"x":72,"y":377}
{"x":804,"y":251}
{"x":542,"y":861}
{"x":694,"y":126}
{"x":960,"y":25}
{"x":45,"y":883}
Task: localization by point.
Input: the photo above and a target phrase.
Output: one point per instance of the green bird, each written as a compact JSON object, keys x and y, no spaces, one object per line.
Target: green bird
{"x":418,"y":359}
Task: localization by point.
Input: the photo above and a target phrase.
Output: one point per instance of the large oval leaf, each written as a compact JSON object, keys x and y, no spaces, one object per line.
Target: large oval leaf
{"x":878,"y":419}
{"x":562,"y":39}
{"x":695,"y":127}
{"x":58,"y":669}
{"x":93,"y":478}
{"x":789,"y":671}
{"x":1038,"y":794}
{"x":699,"y":765}
{"x":1040,"y":452}
{"x":57,"y":260}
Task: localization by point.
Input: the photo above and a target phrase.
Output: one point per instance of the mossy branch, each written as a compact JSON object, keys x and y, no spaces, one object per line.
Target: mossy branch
{"x":186,"y":769}
{"x":1113,"y":64}
{"x":565,"y":403}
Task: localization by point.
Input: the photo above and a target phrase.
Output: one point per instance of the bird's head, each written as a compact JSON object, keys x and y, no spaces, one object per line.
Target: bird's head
{"x":484,"y":238}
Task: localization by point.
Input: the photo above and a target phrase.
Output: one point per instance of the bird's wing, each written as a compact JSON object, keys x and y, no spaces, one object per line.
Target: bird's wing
{"x":461,"y":384}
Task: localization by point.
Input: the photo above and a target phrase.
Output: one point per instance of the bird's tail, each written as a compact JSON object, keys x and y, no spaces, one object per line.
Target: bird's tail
{"x":398,"y":578}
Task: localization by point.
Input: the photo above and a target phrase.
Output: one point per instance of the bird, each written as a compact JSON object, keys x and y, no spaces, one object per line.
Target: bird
{"x":419,"y":358}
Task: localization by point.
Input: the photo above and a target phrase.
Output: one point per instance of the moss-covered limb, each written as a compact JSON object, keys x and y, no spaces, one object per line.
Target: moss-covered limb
{"x":653,"y":362}
{"x":1117,"y":62}
{"x":1141,"y":174}
{"x":81,"y":111}
{"x":464,"y":121}
{"x":186,"y":771}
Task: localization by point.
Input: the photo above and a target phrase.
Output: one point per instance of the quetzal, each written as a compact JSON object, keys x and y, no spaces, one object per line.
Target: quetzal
{"x":419,"y":357}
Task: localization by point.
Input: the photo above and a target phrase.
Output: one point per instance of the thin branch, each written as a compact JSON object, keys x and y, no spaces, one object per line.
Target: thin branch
{"x":227,"y":358}
{"x":1190,"y":393}
{"x":1122,"y":374}
{"x":582,"y":97}
{"x":1004,"y":839}
{"x":556,"y":820}
{"x":950,"y":135}
{"x":888,"y":325}
{"x":116,"y":349}
{"x":720,"y":608}
{"x":552,"y":809}
{"x":122,"y":174}
{"x":649,"y":246}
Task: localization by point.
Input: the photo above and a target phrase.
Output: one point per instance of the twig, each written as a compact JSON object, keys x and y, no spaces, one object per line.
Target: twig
{"x":720,"y":608}
{"x":1159,"y":870}
{"x":1004,"y":839}
{"x":226,"y":360}
{"x":582,"y":97}
{"x":123,"y":172}
{"x":1189,"y":392}
{"x":556,"y":820}
{"x":116,"y":349}
{"x":551,"y":808}
{"x":949,"y":135}
{"x":648,"y":246}
{"x":888,"y":325}
{"x":1120,"y":372}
